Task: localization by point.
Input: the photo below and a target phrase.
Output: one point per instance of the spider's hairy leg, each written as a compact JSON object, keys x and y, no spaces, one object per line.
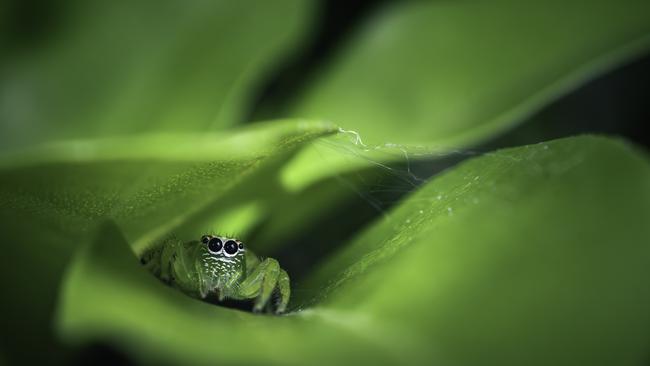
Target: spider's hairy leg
{"x":252,"y":261}
{"x":166,"y":261}
{"x":285,"y":291}
{"x":188,"y":271}
{"x":158,"y":259}
{"x":260,"y":283}
{"x":150,"y":259}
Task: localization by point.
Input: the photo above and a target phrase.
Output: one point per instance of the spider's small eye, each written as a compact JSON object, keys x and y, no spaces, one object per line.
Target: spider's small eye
{"x":241,"y":245}
{"x":215,"y":245}
{"x":205,"y":239}
{"x":230,"y":247}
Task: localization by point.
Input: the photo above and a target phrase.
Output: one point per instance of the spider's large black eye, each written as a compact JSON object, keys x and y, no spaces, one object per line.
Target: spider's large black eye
{"x":214,"y":245}
{"x":230,"y":247}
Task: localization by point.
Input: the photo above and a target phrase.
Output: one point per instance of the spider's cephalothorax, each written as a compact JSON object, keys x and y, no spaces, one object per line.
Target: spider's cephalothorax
{"x":221,"y":266}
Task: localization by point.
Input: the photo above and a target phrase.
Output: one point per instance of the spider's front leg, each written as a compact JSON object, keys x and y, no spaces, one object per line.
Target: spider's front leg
{"x":260,"y":283}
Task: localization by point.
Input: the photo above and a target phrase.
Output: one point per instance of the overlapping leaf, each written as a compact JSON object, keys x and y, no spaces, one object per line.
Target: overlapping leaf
{"x":448,"y":75}
{"x":506,"y":255}
{"x":53,"y":197}
{"x":423,"y":80}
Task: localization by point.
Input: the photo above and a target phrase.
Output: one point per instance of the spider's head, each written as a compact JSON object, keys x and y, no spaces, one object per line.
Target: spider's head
{"x":222,"y":260}
{"x":223,"y":247}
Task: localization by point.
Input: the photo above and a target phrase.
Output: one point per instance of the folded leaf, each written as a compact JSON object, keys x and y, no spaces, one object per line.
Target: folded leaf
{"x":533,"y":255}
{"x":456,"y":73}
{"x":436,"y":76}
{"x":53,"y":197}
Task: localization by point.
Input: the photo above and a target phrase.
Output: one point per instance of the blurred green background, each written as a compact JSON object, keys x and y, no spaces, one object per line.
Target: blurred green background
{"x":446,"y":182}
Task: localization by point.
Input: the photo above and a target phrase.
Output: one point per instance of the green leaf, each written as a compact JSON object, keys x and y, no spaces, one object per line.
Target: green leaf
{"x":430,"y":77}
{"x":115,"y":68}
{"x":532,"y":255}
{"x":53,"y":197}
{"x":457,"y":73}
{"x":149,"y":184}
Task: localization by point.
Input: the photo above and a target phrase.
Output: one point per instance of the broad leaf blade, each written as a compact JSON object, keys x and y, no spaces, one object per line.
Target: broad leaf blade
{"x":515,"y":267}
{"x":159,"y":313}
{"x":52,"y":198}
{"x":431,"y":77}
{"x":115,"y":68}
{"x":460,"y":72}
{"x":143,"y":182}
